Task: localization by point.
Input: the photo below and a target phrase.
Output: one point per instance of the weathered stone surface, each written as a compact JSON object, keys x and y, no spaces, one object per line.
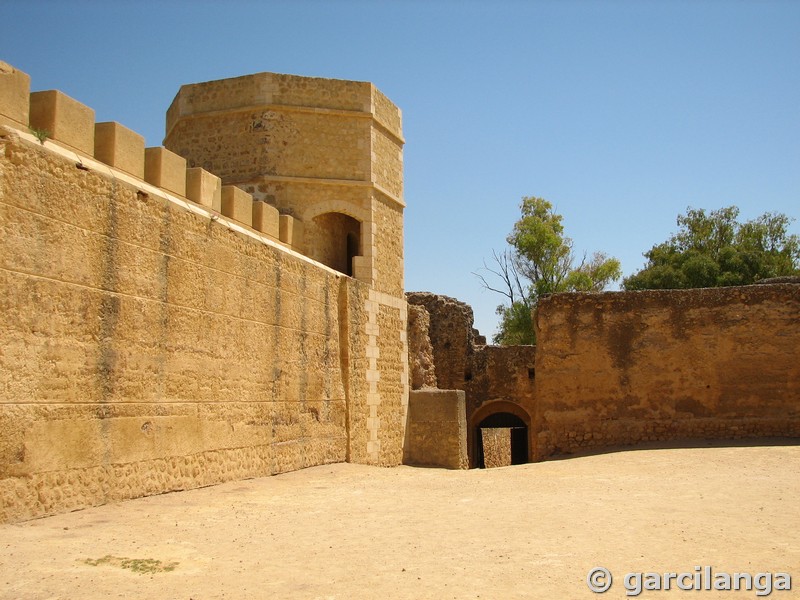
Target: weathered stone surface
{"x":286,"y":230}
{"x":491,"y":376}
{"x":628,"y":367}
{"x":204,"y":188}
{"x":266,"y":219}
{"x":451,"y":335}
{"x":312,"y":148}
{"x":15,"y":87}
{"x":496,"y":446}
{"x":420,"y":351}
{"x":64,"y":119}
{"x":164,"y":352}
{"x":149,"y":345}
{"x":237,"y":204}
{"x":165,"y":169}
{"x":437,"y":429}
{"x":772,"y":280}
{"x":119,"y":147}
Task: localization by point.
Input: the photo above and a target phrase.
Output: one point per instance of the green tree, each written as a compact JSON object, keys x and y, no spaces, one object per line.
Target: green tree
{"x":715,"y":250}
{"x":539,"y":260}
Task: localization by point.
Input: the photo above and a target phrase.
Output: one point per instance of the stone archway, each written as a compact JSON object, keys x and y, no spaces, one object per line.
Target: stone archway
{"x":500,"y":415}
{"x":334,"y":239}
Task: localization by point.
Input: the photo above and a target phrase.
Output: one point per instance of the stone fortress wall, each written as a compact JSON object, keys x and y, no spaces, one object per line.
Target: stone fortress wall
{"x":164,"y":330}
{"x":621,"y":368}
{"x":493,"y":379}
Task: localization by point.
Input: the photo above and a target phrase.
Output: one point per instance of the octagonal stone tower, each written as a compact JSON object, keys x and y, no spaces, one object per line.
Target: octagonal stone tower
{"x":325,"y":152}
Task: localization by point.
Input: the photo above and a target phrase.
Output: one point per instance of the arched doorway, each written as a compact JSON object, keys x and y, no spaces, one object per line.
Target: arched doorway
{"x":333,"y":239}
{"x":496,"y":416}
{"x":517,"y":437}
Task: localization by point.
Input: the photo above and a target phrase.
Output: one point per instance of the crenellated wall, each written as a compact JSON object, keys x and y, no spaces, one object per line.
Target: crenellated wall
{"x":160,"y":332}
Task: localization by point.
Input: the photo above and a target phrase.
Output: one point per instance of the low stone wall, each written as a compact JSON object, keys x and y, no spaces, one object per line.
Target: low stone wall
{"x":496,"y":447}
{"x":436,"y":433}
{"x":629,"y":367}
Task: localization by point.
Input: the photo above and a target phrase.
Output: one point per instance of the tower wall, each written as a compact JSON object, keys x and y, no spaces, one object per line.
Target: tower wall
{"x":307,"y":146}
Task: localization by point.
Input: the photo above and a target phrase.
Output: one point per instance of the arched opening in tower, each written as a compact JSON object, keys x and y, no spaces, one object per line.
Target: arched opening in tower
{"x":501,"y":439}
{"x":334,"y":239}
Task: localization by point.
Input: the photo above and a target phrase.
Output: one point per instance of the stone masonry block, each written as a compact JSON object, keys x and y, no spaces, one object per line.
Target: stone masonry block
{"x":66,"y":120}
{"x":362,"y":268}
{"x":119,"y":147}
{"x":165,"y":169}
{"x":287,"y":229}
{"x":437,"y":429}
{"x":237,"y":204}
{"x":204,"y":188}
{"x":298,"y":229}
{"x":266,"y":219}
{"x":286,"y":222}
{"x":15,"y":89}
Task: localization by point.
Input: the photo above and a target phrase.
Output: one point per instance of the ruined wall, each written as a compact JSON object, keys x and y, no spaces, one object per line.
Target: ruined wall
{"x":503,"y":380}
{"x":451,"y":335}
{"x":629,"y":367}
{"x":420,"y":351}
{"x":494,"y":378}
{"x":503,"y":373}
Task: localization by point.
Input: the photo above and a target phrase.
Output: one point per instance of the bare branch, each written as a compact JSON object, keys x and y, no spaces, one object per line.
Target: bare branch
{"x":508,"y":274}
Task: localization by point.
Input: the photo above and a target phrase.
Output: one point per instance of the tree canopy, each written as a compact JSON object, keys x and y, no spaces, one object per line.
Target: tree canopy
{"x":539,"y":260}
{"x":715,"y":250}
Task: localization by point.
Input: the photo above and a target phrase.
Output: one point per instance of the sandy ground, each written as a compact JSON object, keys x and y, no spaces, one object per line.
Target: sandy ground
{"x":349,"y":531}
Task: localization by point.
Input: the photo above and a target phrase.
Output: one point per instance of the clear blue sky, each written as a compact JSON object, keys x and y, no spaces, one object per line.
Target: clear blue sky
{"x":620,"y":113}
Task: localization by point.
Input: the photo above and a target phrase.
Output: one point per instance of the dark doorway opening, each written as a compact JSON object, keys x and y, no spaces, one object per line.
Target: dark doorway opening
{"x":519,"y":437}
{"x":352,"y":252}
{"x":334,"y":239}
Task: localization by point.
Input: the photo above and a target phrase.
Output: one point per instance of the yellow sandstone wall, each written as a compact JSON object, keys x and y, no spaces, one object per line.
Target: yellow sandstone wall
{"x":150,"y":343}
{"x":147,"y":350}
{"x":437,"y":429}
{"x":629,"y":367}
{"x":328,"y":153}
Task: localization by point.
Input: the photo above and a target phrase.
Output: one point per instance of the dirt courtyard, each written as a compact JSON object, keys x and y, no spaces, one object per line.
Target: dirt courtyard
{"x":349,"y":531}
